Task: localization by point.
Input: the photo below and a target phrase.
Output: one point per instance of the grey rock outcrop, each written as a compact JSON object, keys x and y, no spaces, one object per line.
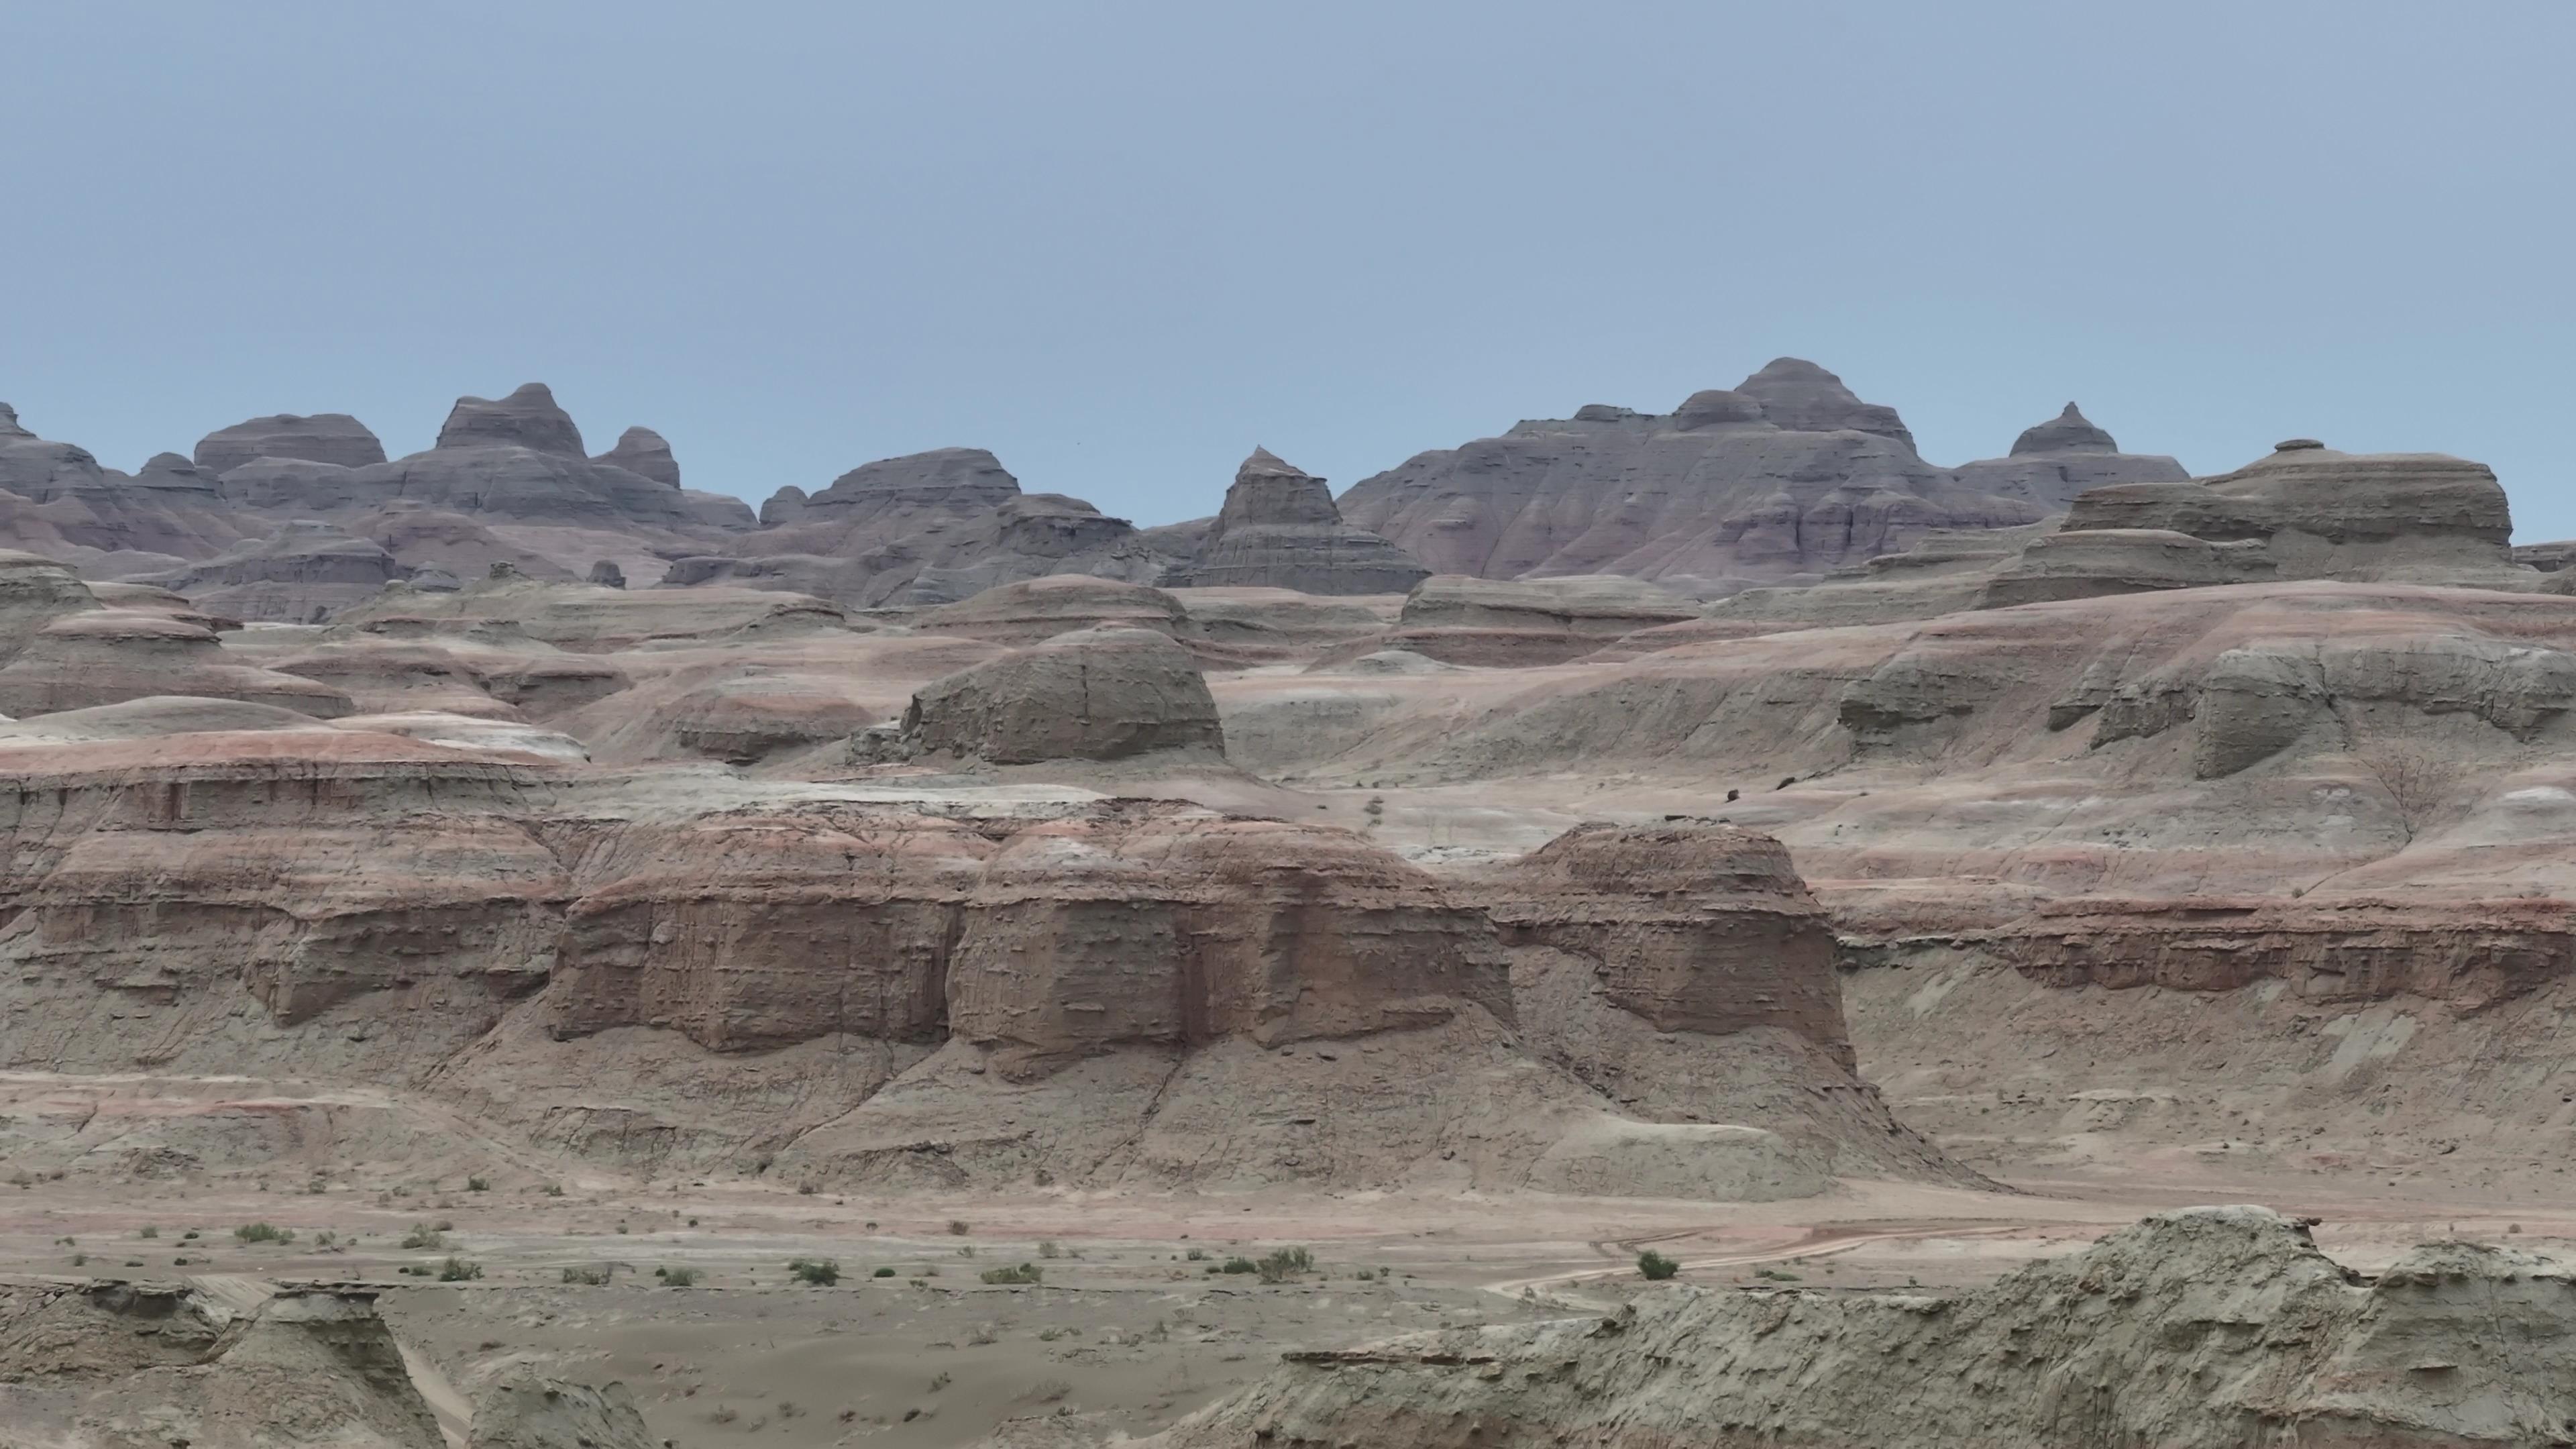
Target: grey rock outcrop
{"x":2318,"y":513}
{"x":334,"y":438}
{"x":1280,"y":529}
{"x":2055,"y":461}
{"x":527,"y":418}
{"x":607,"y":574}
{"x":2207,"y":1328}
{"x":304,"y":572}
{"x":642,"y":451}
{"x":524,"y":1409}
{"x":924,"y":529}
{"x":1098,"y":694}
{"x":1780,"y":479}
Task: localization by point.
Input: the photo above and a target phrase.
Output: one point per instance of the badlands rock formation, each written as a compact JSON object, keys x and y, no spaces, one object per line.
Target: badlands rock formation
{"x":1785,"y":477}
{"x":124,"y":1365}
{"x":1100,"y":694}
{"x":2053,"y":462}
{"x":2210,"y":1327}
{"x":336,"y":439}
{"x":1279,"y":529}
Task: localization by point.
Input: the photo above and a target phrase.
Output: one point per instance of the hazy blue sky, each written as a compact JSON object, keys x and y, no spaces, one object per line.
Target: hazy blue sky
{"x":1119,"y":244}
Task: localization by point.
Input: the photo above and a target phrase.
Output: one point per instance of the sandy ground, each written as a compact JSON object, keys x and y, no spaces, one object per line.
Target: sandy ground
{"x":1126,"y":1329}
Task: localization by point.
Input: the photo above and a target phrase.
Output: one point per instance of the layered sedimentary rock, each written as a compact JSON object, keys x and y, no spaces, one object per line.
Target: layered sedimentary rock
{"x":1280,"y":529}
{"x":2052,"y":462}
{"x":1510,"y":622}
{"x":1787,"y":475}
{"x":2206,"y":1327}
{"x":106,"y":655}
{"x":644,"y":452}
{"x":56,"y":498}
{"x":87,"y":1363}
{"x":1099,"y":694}
{"x":925,"y":529}
{"x":304,"y":572}
{"x":2318,"y":513}
{"x":333,"y":438}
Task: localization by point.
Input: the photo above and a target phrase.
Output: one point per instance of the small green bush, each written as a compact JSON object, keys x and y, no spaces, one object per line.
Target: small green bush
{"x":821,"y":1272}
{"x":478,"y":1184}
{"x":1025,"y":1273}
{"x":457,"y":1270}
{"x":1776,"y":1276}
{"x":592,"y":1277}
{"x":425,"y":1236}
{"x":882,"y":1273}
{"x":677,"y":1277}
{"x":1283,"y":1264}
{"x":1654,"y":1267}
{"x":1238,"y":1265}
{"x":149,"y":1232}
{"x":1196,"y":1255}
{"x":264,"y":1233}
{"x":958,"y":1228}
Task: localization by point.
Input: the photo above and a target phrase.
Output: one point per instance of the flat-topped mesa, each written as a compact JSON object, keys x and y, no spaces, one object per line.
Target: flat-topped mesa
{"x":334,"y":438}
{"x":527,"y":418}
{"x":2068,"y":432}
{"x":2319,"y":513}
{"x":1280,"y":529}
{"x":642,"y":451}
{"x":1797,"y":394}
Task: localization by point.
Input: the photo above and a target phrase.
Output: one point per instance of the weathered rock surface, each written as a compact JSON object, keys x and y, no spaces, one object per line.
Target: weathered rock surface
{"x":2205,"y":1327}
{"x":1100,"y":694}
{"x":104,"y":656}
{"x":644,"y":452}
{"x":120,"y":1364}
{"x":1280,"y":529}
{"x":524,"y":1409}
{"x":336,"y":439}
{"x":2057,"y":460}
{"x":304,"y":572}
{"x":1788,"y":475}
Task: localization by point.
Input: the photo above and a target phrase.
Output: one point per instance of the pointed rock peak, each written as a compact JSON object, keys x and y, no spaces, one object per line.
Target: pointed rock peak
{"x":1799,"y":395}
{"x":1714,"y":407}
{"x":1268,"y":489}
{"x":527,"y":418}
{"x":9,"y":423}
{"x":2068,"y":432}
{"x":1266,"y":464}
{"x":642,"y":451}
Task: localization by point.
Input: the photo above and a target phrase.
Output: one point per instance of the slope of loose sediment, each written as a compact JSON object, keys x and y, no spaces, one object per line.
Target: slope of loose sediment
{"x":2208,"y":1328}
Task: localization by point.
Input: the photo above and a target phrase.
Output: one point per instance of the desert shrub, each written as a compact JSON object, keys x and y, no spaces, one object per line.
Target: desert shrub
{"x":1283,"y":1264}
{"x":1025,"y":1273}
{"x":1776,"y":1276}
{"x":457,"y":1270}
{"x":478,"y":1184}
{"x":264,"y":1233}
{"x":425,"y":1236}
{"x":821,"y":1272}
{"x":958,"y":1228}
{"x":1047,"y":1248}
{"x":882,"y":1273}
{"x":1196,"y":1255}
{"x":677,"y":1277}
{"x":148,"y":1231}
{"x":1238,"y":1265}
{"x":1654,"y":1267}
{"x":590,"y":1277}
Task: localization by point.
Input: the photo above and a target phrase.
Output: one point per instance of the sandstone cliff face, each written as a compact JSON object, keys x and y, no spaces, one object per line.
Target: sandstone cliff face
{"x":1279,"y":529}
{"x":1789,"y":474}
{"x":2206,"y":1327}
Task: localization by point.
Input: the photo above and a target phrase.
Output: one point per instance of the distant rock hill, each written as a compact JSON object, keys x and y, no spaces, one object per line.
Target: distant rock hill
{"x":1781,"y":480}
